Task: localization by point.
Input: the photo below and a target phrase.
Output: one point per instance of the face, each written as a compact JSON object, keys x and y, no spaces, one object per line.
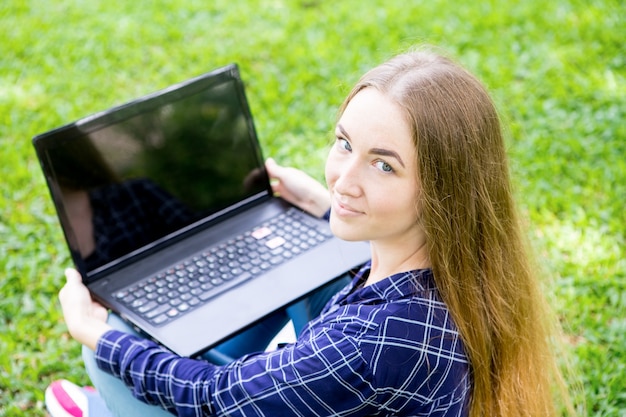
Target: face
{"x":371,"y":173}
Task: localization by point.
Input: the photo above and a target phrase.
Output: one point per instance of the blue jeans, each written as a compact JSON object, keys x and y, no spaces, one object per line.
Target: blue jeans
{"x":117,"y":395}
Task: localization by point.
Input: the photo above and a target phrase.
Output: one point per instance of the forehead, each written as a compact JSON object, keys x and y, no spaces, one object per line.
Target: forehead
{"x":373,"y":117}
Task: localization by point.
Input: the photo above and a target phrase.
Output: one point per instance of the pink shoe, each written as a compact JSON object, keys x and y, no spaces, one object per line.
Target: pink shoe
{"x":65,"y":399}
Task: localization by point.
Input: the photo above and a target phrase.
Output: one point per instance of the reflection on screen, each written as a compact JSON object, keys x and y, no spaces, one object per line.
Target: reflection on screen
{"x":133,"y":182}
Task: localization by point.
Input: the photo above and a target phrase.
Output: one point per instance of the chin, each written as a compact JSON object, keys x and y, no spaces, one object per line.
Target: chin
{"x":347,"y":232}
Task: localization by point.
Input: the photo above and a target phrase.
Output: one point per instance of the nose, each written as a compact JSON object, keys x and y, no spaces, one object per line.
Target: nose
{"x":345,"y":177}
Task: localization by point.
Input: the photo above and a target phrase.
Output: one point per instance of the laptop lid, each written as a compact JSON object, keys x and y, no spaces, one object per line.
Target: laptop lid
{"x":131,"y":179}
{"x":143,"y":186}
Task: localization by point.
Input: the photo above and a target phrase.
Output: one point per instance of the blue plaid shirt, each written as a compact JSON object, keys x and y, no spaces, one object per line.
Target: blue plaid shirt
{"x":387,"y":349}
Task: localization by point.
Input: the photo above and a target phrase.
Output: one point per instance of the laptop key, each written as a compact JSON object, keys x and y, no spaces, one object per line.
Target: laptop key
{"x":121,"y":294}
{"x":147,"y":307}
{"x":139,"y":302}
{"x":157,"y":311}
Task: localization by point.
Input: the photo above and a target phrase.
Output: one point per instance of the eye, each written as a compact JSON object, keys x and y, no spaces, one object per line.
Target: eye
{"x":383,"y":166}
{"x":344,"y":144}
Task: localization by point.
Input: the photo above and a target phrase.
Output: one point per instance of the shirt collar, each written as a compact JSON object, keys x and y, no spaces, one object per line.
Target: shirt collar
{"x":397,"y":286}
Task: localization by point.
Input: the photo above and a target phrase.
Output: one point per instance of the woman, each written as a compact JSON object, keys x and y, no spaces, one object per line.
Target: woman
{"x":446,"y":320}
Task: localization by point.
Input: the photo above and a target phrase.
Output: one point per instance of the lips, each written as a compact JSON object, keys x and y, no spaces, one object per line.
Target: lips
{"x":344,"y":210}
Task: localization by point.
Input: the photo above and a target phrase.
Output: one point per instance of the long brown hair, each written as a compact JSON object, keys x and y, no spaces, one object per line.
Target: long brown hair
{"x":476,"y":246}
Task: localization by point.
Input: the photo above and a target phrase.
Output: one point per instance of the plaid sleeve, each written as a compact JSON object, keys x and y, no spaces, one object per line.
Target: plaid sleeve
{"x":155,"y":375}
{"x":325,"y":376}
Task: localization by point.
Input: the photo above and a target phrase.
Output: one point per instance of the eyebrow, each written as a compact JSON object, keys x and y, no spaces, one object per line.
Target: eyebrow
{"x":375,"y":151}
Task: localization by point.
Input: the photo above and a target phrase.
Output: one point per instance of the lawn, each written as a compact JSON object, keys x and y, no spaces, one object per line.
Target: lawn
{"x":557,"y":70}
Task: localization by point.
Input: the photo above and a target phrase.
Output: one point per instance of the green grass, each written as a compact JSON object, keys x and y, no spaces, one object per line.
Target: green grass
{"x":555,"y":68}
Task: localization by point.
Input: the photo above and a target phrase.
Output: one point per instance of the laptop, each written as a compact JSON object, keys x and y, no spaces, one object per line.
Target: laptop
{"x":169,"y":215}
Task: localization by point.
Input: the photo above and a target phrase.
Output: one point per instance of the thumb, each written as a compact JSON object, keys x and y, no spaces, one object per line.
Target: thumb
{"x":273,"y":169}
{"x":270,"y":165}
{"x":73,"y":276}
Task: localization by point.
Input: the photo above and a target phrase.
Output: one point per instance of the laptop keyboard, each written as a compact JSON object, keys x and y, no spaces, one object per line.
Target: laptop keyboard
{"x":188,"y":285}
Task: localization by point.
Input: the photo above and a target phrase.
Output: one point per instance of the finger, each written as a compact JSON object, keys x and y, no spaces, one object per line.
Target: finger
{"x":73,"y":276}
{"x":99,"y":311}
{"x":273,"y":169}
{"x":270,"y":166}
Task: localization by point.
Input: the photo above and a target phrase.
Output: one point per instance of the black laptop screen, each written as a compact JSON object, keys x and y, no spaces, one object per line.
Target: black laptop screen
{"x":128,"y":179}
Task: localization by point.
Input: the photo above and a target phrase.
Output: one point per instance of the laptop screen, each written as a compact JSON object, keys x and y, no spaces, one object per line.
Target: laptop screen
{"x":128,"y":179}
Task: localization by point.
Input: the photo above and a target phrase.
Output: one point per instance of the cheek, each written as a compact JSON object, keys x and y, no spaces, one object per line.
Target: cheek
{"x":393,"y":205}
{"x":330,"y":171}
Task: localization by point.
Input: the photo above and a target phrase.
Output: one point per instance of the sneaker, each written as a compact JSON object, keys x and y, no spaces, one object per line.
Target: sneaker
{"x":65,"y":399}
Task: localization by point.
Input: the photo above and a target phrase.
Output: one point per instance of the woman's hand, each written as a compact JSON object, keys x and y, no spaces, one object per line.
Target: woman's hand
{"x":85,"y":319}
{"x":298,"y":188}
